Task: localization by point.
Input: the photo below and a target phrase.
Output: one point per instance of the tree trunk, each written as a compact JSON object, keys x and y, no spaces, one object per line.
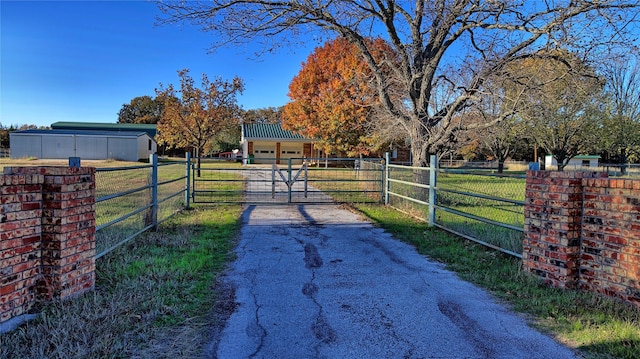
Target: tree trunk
{"x":561,"y":165}
{"x":418,"y":146}
{"x":562,"y":159}
{"x":623,"y":161}
{"x":419,"y":160}
{"x":500,"y":166}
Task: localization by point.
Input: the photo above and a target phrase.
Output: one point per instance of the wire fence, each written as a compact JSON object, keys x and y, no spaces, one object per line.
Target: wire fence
{"x":289,"y":180}
{"x":509,"y":165}
{"x":348,"y":180}
{"x":133,"y":199}
{"x":613,"y":169}
{"x":484,"y":207}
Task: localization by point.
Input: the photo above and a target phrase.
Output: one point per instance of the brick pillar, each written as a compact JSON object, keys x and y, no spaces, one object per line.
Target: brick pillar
{"x":610,"y":260}
{"x":68,"y":230}
{"x":552,"y":225}
{"x":20,"y":223}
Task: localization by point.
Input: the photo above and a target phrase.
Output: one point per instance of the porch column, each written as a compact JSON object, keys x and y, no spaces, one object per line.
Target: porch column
{"x":245,"y":152}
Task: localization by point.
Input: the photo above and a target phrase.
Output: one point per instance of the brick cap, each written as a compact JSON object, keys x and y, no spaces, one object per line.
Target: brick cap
{"x":50,"y":170}
{"x":567,"y":174}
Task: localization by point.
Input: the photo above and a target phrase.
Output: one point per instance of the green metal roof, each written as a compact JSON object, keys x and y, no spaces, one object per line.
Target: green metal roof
{"x":150,"y":129}
{"x":81,"y":133}
{"x":268,"y":131}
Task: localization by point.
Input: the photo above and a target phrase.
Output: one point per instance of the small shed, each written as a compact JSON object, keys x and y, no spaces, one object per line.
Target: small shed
{"x":88,"y":145}
{"x":269,"y":143}
{"x":580,"y":161}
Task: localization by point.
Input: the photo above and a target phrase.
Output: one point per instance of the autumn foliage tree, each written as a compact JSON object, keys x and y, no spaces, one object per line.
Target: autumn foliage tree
{"x":194,"y":116}
{"x":332,"y":98}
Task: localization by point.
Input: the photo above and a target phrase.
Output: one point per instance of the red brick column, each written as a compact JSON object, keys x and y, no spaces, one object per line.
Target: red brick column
{"x":68,"y":231}
{"x":610,"y":261}
{"x":20,"y":223}
{"x":552,"y":224}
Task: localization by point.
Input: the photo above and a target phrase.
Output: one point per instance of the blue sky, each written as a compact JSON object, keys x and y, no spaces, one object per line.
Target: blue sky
{"x":82,"y":60}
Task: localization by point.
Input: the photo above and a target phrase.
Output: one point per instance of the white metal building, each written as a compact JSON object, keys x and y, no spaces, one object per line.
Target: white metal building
{"x":88,"y":145}
{"x":580,"y":161}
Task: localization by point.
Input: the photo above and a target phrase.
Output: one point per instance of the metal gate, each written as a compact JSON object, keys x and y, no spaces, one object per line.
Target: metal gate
{"x":294,"y":180}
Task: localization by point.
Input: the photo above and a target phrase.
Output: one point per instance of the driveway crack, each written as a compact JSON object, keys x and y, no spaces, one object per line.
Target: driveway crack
{"x":256,"y":329}
{"x":320,"y":328}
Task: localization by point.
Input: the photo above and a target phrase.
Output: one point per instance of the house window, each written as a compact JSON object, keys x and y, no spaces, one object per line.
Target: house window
{"x":150,"y":145}
{"x":586,"y":163}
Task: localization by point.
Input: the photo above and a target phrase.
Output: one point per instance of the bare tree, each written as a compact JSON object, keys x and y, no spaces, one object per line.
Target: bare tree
{"x":445,"y":48}
{"x":560,"y":101}
{"x":622,"y":124}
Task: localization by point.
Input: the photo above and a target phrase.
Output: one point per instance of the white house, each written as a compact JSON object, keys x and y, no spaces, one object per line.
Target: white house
{"x":86,"y":144}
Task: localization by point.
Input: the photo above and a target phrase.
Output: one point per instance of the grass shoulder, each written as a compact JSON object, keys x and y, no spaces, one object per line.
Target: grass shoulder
{"x":598,"y":327}
{"x":153,"y":297}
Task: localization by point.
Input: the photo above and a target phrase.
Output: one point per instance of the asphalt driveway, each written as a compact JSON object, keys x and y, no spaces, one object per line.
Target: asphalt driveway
{"x":318,"y":281}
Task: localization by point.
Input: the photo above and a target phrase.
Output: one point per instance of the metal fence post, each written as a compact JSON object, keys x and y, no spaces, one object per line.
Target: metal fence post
{"x":187,"y":188}
{"x":273,"y":180}
{"x":385,"y":177}
{"x":306,"y":178}
{"x":289,"y":183}
{"x":192,"y":164}
{"x":153,"y":159}
{"x":433,"y":165}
